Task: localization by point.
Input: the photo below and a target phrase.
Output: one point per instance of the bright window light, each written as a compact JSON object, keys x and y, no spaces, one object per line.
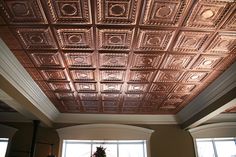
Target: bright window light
{"x":216,"y":147}
{"x":3,"y":146}
{"x":118,"y":148}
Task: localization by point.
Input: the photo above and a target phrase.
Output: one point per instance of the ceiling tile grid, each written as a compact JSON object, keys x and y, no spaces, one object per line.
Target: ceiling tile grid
{"x":121,"y":56}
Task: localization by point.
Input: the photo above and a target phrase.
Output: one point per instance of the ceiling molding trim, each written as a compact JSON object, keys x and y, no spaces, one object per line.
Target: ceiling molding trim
{"x":14,"y":72}
{"x":223,"y":84}
{"x":116,"y":118}
{"x":215,"y":130}
{"x":223,"y":117}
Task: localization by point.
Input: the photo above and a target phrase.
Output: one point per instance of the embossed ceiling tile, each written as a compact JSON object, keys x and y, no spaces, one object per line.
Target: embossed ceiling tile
{"x":88,"y":96}
{"x":156,"y":96}
{"x":140,"y":76}
{"x":115,"y":39}
{"x":111,"y":109}
{"x":112,"y":75}
{"x":135,"y":104}
{"x":110,"y":104}
{"x":162,"y":87}
{"x":23,"y":12}
{"x":34,"y":73}
{"x":80,"y":60}
{"x":54,"y":75}
{"x":134,"y":97}
{"x":177,"y":97}
{"x":208,"y":62}
{"x":208,"y":13}
{"x":47,"y":60}
{"x":184,"y":88}
{"x":83,"y":75}
{"x":43,"y":85}
{"x":146,"y":61}
{"x":137,"y":88}
{"x":223,"y":43}
{"x":67,"y":103}
{"x":169,"y":105}
{"x":65,"y":96}
{"x":109,"y":96}
{"x":118,"y":60}
{"x":23,"y":58}
{"x":149,"y":104}
{"x":86,"y":87}
{"x":91,"y":109}
{"x":111,"y":87}
{"x":69,"y":12}
{"x":130,"y":110}
{"x":90,"y":103}
{"x":147,"y":110}
{"x":36,"y":38}
{"x":154,"y":40}
{"x":190,"y":41}
{"x":168,"y":76}
{"x":231,"y":23}
{"x":194,"y":76}
{"x":227,"y":61}
{"x":60,"y":86}
{"x":175,"y":61}
{"x":75,"y":39}
{"x":163,"y":12}
{"x":9,"y":38}
{"x":117,"y":12}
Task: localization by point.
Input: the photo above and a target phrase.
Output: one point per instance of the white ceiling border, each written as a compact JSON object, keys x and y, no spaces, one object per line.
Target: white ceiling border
{"x":223,"y":84}
{"x":14,"y":72}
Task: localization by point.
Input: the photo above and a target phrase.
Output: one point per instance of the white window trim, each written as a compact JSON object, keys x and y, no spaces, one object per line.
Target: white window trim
{"x":216,"y":130}
{"x":104,"y":132}
{"x":7,"y":132}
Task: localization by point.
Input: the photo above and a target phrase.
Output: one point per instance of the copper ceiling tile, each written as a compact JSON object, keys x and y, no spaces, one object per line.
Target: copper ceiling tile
{"x":23,"y":12}
{"x":117,"y":12}
{"x":163,"y":12}
{"x":69,"y":12}
{"x":122,"y":57}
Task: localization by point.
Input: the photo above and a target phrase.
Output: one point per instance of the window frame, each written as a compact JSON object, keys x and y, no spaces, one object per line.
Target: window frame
{"x":105,"y":132}
{"x":213,"y":142}
{"x":213,"y":131}
{"x":117,"y":144}
{"x":7,"y":132}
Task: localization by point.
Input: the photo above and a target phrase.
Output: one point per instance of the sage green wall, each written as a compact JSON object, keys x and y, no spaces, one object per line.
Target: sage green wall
{"x":166,"y":141}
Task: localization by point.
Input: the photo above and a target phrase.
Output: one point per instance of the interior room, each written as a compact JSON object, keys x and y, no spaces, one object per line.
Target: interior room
{"x":112,"y":78}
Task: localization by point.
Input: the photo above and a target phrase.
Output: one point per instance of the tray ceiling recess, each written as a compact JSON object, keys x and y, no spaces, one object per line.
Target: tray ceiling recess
{"x":121,"y":56}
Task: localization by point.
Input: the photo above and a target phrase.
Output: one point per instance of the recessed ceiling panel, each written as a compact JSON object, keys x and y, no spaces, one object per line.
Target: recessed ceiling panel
{"x":121,"y":56}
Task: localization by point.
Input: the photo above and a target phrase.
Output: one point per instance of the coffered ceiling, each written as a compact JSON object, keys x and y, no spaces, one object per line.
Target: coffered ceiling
{"x":121,"y":56}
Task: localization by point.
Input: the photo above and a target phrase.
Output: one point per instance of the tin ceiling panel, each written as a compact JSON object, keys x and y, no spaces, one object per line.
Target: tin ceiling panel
{"x":121,"y":56}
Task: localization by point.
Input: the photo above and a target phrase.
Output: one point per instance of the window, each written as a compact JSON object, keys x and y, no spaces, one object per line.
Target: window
{"x":114,"y":148}
{"x":216,"y":147}
{"x":3,"y":146}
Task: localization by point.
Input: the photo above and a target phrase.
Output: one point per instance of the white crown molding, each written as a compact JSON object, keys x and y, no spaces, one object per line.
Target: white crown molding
{"x":116,"y":118}
{"x":14,"y":72}
{"x":223,"y":84}
{"x":223,"y":117}
{"x":215,"y":130}
{"x":105,"y":131}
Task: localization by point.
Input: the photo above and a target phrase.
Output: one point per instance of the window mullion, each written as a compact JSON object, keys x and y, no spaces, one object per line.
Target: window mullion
{"x":118,"y":149}
{"x":214,"y":148}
